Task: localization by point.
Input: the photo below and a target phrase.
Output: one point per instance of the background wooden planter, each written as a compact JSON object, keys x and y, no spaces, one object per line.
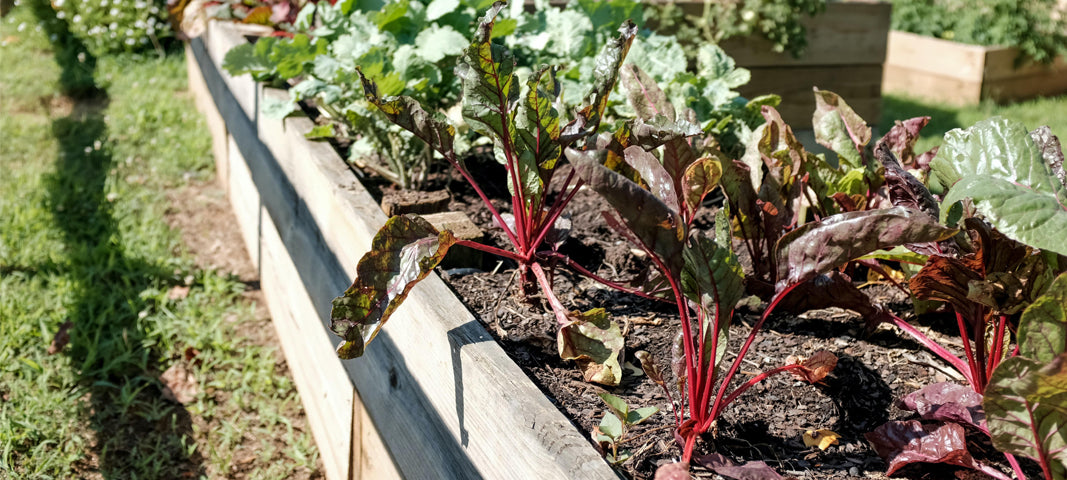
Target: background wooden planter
{"x":434,"y":396}
{"x":845,"y":53}
{"x":960,"y":74}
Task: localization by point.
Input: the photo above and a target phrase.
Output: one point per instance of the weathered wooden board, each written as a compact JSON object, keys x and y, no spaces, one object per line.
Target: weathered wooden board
{"x":859,"y":85}
{"x":961,"y":74}
{"x":445,"y":398}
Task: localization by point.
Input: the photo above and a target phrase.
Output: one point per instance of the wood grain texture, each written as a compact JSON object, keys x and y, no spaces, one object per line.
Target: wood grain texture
{"x":961,"y":74}
{"x":452,"y":402}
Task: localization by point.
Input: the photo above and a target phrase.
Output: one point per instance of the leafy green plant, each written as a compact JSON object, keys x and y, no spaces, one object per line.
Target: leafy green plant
{"x":779,"y":21}
{"x":1026,"y":401}
{"x":528,"y":136}
{"x":281,"y":15}
{"x":1027,"y":24}
{"x":616,"y":423}
{"x":111,"y":26}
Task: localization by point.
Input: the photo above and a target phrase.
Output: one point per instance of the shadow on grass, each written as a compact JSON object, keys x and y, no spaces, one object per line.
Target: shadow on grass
{"x":138,"y":434}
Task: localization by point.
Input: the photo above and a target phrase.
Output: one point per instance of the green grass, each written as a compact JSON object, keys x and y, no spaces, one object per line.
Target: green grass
{"x":1051,"y":111}
{"x":88,"y":147}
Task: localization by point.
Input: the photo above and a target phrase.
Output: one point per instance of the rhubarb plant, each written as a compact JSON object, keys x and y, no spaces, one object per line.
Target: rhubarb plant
{"x":529,"y":134}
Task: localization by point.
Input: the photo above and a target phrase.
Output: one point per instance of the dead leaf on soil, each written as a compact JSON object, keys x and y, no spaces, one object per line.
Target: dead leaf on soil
{"x":178,"y":292}
{"x":673,"y":471}
{"x":821,"y":438}
{"x":179,"y":384}
{"x":61,"y":339}
{"x":813,"y":369}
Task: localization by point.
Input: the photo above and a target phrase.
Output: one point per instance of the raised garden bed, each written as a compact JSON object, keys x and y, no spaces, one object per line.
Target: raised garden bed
{"x":961,"y":74}
{"x":845,"y":53}
{"x":434,"y":397}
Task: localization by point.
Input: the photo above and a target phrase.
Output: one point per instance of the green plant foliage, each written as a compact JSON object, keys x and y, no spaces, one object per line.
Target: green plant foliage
{"x":1015,"y":179}
{"x":1025,"y":24}
{"x":616,"y":423}
{"x":111,"y":26}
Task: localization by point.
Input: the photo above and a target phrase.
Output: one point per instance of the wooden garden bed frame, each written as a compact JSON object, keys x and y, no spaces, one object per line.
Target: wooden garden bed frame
{"x":435,"y":396}
{"x":959,"y":74}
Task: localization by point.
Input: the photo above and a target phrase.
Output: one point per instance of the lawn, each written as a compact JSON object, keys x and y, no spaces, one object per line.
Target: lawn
{"x":101,"y":305}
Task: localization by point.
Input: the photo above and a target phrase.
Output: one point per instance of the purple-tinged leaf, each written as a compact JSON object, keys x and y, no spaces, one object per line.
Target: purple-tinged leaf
{"x":712,"y":279}
{"x":818,"y":247}
{"x":647,"y":134}
{"x":649,"y":366}
{"x":645,"y":96}
{"x":678,"y":155}
{"x":1043,"y":326}
{"x":678,"y":366}
{"x":403,"y":252}
{"x":839,"y":128}
{"x":655,"y":176}
{"x":699,"y":180}
{"x":904,"y":189}
{"x":947,"y":402}
{"x":659,"y":228}
{"x":904,"y":443}
{"x":902,"y":137}
{"x":834,"y":289}
{"x":1026,"y":411}
{"x":606,"y":68}
{"x":595,"y":343}
{"x":407,"y":113}
{"x":753,"y":470}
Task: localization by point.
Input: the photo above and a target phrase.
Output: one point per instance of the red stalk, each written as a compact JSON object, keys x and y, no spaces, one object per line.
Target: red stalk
{"x":582,"y":270}
{"x":938,"y":350}
{"x":758,"y":378}
{"x":972,"y":366}
{"x":491,"y":249}
{"x":546,"y":287}
{"x":485,"y":200}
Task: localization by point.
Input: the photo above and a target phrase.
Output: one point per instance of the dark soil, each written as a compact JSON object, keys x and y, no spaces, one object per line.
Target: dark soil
{"x":768,"y":421}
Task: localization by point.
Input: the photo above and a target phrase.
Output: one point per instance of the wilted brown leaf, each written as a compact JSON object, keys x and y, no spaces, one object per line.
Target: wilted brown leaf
{"x":179,"y":384}
{"x":813,"y":369}
{"x":61,"y":339}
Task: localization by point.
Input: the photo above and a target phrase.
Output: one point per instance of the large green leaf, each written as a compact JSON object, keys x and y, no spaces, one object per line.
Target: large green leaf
{"x":817,"y":247}
{"x":252,"y":58}
{"x":537,"y":131}
{"x":292,"y":56}
{"x":405,"y":251}
{"x":606,"y":73}
{"x":659,"y":228}
{"x":1026,"y":411}
{"x":435,"y":43}
{"x":1014,"y":178}
{"x":409,"y":114}
{"x":486,"y":71}
{"x":839,"y":128}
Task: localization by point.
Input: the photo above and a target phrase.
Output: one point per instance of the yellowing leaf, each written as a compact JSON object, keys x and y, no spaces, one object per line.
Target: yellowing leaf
{"x":822,"y":438}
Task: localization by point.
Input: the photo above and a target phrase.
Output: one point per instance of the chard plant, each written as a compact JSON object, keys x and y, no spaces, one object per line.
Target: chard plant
{"x":1006,"y":188}
{"x":528,"y":135}
{"x":655,"y":173}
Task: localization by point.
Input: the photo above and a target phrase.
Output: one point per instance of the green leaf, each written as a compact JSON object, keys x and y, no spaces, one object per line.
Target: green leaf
{"x":439,"y":8}
{"x":292,"y":55}
{"x":404,"y":251}
{"x":595,"y":343}
{"x":250,"y":58}
{"x":839,"y":128}
{"x":1043,"y":326}
{"x":436,"y":43}
{"x":319,"y":132}
{"x":818,"y":247}
{"x":392,"y":12}
{"x":659,"y":228}
{"x":605,"y":73}
{"x":1022,"y":212}
{"x":486,"y":71}
{"x":617,"y":405}
{"x":1026,"y":410}
{"x":610,"y":426}
{"x":406,"y":112}
{"x":277,"y":108}
{"x":568,"y":33}
{"x":537,"y":132}
{"x":898,"y":253}
{"x":641,"y":414}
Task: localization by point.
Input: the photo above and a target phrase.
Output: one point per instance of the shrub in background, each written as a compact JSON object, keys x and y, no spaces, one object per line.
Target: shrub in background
{"x":111,"y":26}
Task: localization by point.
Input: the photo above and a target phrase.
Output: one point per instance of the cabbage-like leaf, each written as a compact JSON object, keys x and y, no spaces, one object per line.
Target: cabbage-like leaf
{"x":839,"y":128}
{"x":1026,"y":410}
{"x":659,"y":228}
{"x":1013,"y":181}
{"x":251,"y":58}
{"x":595,"y":343}
{"x":947,"y":402}
{"x":291,"y":57}
{"x":403,"y":252}
{"x":904,"y":443}
{"x":436,"y":42}
{"x":818,"y":247}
